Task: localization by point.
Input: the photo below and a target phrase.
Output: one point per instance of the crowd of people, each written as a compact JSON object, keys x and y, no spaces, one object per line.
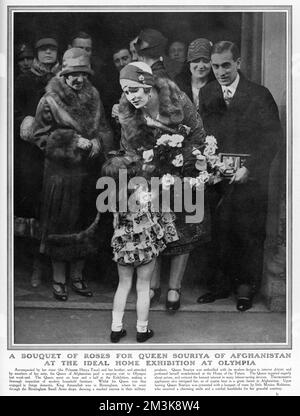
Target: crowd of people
{"x":73,"y":127}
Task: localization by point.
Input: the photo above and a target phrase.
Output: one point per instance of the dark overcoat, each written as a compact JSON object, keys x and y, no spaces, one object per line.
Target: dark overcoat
{"x":248,"y":125}
{"x":69,"y":187}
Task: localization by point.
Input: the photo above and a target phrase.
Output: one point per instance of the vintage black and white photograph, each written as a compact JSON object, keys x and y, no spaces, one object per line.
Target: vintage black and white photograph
{"x":114,"y":108}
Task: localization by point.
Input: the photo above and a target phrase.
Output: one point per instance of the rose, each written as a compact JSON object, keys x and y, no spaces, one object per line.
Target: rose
{"x":202,"y":178}
{"x":176,"y":140}
{"x":163,"y":140}
{"x":167,"y":180}
{"x":213,"y":160}
{"x":209,"y":150}
{"x":211,"y":146}
{"x":144,"y":197}
{"x":196,"y":151}
{"x":178,"y":161}
{"x":211,"y":141}
{"x":192,"y":182}
{"x":148,"y":155}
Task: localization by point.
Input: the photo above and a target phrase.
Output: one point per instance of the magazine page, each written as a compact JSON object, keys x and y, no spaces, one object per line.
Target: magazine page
{"x":108,"y":113}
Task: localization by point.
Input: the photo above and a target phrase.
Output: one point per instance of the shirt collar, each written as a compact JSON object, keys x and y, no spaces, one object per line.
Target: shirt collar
{"x":232,"y":87}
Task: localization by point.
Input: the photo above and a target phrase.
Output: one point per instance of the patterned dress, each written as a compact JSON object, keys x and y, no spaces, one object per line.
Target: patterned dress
{"x":142,"y":235}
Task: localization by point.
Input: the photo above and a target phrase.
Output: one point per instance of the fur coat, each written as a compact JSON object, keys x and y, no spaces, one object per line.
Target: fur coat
{"x":69,"y":187}
{"x":175,"y":108}
{"x":64,"y":114}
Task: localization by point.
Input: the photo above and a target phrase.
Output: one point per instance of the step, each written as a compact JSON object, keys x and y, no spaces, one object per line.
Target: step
{"x":41,"y":297}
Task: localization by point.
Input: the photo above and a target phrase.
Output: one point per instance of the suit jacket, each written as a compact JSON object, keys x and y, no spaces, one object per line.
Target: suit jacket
{"x":250,"y":124}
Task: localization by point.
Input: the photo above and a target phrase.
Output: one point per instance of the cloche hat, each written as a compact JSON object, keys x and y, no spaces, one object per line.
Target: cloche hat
{"x":199,"y":48}
{"x":139,"y":73}
{"x":76,"y":60}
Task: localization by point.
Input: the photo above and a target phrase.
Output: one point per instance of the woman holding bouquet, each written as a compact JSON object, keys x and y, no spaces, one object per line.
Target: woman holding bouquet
{"x":150,"y":107}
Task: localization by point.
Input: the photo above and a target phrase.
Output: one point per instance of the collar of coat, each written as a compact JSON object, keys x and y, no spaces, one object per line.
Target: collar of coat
{"x":83,"y":106}
{"x":40,"y":69}
{"x":135,"y":131}
{"x":66,"y":96}
{"x":170,"y":103}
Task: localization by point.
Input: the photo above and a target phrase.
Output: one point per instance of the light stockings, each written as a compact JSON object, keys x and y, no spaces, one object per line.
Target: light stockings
{"x":121,"y":295}
{"x":144,"y":273}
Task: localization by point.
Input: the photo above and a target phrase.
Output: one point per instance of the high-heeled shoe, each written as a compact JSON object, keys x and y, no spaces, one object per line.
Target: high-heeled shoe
{"x":80,"y":286}
{"x":61,"y":293}
{"x":173,"y":306}
{"x":156,"y":295}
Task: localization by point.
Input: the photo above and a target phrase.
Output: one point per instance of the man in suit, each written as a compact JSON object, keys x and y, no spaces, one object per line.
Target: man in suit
{"x":244,"y":119}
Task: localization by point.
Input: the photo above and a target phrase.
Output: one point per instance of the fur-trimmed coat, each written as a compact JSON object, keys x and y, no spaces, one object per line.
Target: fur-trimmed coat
{"x":64,"y":114}
{"x":69,"y":187}
{"x":175,"y":108}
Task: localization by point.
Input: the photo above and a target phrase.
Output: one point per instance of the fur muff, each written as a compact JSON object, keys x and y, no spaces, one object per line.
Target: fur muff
{"x":170,"y":107}
{"x":26,"y":128}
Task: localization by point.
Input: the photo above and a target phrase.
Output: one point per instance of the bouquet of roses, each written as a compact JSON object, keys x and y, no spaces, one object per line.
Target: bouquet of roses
{"x":172,"y":156}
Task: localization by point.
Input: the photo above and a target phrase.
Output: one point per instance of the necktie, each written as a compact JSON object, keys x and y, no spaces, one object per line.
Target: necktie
{"x":227,"y":96}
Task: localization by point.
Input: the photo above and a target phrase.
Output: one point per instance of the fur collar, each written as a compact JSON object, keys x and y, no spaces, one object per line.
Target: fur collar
{"x":170,"y":106}
{"x":40,"y":69}
{"x":135,"y":131}
{"x":83,"y":106}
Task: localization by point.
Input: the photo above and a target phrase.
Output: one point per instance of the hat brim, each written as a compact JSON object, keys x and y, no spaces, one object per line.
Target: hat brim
{"x":84,"y":69}
{"x":189,"y":60}
{"x":46,"y":42}
{"x":130,"y":83}
{"x":156,"y":50}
